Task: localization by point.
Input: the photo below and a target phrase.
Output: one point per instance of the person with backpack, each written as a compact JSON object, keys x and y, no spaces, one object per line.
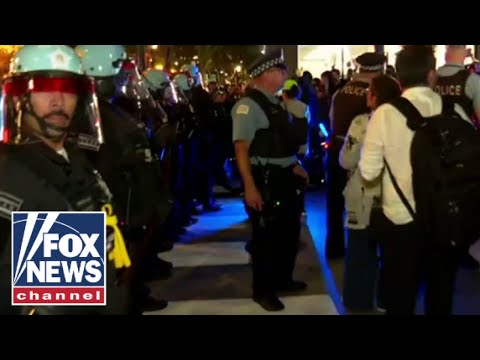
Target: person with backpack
{"x":405,"y":145}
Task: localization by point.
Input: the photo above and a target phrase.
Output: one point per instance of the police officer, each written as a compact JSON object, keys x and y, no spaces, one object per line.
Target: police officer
{"x":460,"y":87}
{"x":124,"y":161}
{"x":202,"y":105}
{"x":133,"y":96}
{"x":349,"y":102}
{"x":47,"y":97}
{"x":265,"y":146}
{"x":457,"y":85}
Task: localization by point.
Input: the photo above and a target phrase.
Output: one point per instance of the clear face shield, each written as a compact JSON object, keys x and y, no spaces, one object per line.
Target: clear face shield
{"x":53,"y":105}
{"x":166,"y":94}
{"x":132,"y":90}
{"x":170,"y":94}
{"x":132,"y":85}
{"x":183,"y":96}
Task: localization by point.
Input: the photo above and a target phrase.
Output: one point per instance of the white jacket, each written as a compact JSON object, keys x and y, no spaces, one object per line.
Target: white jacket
{"x":359,"y":194}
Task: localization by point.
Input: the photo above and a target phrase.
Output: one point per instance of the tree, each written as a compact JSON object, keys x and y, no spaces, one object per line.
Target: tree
{"x":210,"y":57}
{"x":207,"y":55}
{"x":226,"y":57}
{"x":6,"y":53}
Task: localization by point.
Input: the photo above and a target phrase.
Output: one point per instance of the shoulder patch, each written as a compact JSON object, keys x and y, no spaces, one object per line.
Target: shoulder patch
{"x":8,"y":204}
{"x":243,"y":109}
{"x":88,"y":142}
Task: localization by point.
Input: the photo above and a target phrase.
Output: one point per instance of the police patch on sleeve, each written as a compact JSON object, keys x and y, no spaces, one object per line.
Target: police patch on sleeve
{"x":88,"y":142}
{"x":8,"y":204}
{"x":243,"y":110}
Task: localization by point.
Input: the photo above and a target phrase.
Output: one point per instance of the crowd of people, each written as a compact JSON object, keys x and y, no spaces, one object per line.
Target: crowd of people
{"x":85,"y":129}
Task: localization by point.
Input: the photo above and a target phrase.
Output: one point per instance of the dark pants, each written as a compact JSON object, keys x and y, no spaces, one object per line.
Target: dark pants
{"x":361,"y":271}
{"x":276,"y":232}
{"x":302,"y":189}
{"x":6,"y":292}
{"x":189,"y":175}
{"x":336,"y":181}
{"x":408,"y":259}
{"x":206,"y":169}
{"x":138,"y":249}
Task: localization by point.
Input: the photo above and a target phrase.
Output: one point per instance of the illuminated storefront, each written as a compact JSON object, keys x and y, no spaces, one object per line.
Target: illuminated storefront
{"x":392,"y":50}
{"x":320,"y":58}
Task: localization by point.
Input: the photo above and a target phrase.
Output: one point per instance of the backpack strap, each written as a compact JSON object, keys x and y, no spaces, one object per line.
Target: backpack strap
{"x":400,"y":192}
{"x":415,"y":120}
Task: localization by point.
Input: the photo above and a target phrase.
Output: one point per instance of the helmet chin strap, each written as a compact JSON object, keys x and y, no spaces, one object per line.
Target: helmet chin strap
{"x":44,"y":125}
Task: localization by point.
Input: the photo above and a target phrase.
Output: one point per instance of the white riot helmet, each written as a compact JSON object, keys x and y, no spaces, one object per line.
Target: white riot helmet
{"x":37,"y":71}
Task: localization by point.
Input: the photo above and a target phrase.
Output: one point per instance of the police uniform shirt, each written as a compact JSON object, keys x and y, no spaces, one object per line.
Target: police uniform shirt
{"x":355,"y":110}
{"x":351,"y":100}
{"x":472,"y":87}
{"x":248,"y":118}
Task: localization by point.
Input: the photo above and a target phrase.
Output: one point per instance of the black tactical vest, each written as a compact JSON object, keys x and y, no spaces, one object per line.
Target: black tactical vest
{"x":129,"y":168}
{"x":80,"y":185}
{"x":452,"y":90}
{"x":349,"y":102}
{"x":45,"y":181}
{"x":279,"y":140}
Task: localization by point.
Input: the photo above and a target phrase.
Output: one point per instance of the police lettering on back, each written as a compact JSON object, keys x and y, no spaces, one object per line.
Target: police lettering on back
{"x":449,"y":90}
{"x":353,"y":90}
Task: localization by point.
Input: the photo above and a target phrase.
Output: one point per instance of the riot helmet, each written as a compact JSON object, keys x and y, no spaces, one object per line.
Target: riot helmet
{"x":103,"y":63}
{"x":47,"y":94}
{"x":161,"y":86}
{"x":132,"y":95}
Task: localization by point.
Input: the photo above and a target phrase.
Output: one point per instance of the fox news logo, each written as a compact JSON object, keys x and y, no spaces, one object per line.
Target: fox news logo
{"x":58,"y":258}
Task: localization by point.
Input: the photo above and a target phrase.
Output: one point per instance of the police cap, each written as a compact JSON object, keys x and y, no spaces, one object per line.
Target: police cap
{"x":371,"y":62}
{"x":270,"y":60}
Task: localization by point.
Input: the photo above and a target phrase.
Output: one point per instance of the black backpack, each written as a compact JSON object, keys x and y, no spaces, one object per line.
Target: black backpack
{"x":445,"y":158}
